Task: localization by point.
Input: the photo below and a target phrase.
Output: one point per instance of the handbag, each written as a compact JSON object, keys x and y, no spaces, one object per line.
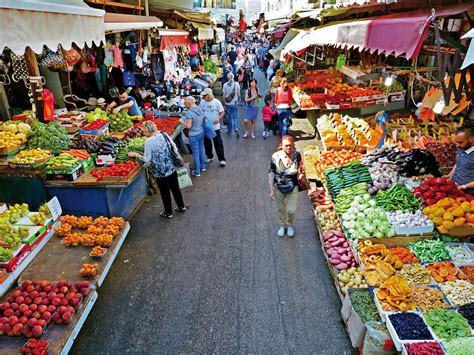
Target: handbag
{"x":176,"y":158}
{"x":231,"y":96}
{"x":209,"y":129}
{"x":284,"y":183}
{"x":20,"y":71}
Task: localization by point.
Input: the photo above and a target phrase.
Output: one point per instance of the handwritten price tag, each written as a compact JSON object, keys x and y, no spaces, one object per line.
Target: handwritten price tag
{"x":55,"y":208}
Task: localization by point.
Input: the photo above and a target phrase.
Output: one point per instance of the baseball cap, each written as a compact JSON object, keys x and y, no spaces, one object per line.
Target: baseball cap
{"x":206,"y":92}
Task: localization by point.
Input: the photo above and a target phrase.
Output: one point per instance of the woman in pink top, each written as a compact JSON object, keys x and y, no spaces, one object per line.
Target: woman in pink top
{"x":267,"y":113}
{"x":283,"y":101}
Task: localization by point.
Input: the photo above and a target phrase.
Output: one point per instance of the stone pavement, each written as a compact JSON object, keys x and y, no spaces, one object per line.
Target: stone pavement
{"x":217,"y":279}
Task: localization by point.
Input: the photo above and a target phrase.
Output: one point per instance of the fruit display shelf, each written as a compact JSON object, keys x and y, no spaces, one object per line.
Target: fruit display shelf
{"x":13,"y":276}
{"x":88,"y":180}
{"x":58,"y":262}
{"x":60,"y":337}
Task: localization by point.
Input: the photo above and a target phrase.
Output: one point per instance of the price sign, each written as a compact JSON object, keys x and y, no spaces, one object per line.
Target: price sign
{"x":55,"y":208}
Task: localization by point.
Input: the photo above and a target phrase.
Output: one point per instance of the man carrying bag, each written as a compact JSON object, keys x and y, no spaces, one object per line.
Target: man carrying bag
{"x":213,"y":112}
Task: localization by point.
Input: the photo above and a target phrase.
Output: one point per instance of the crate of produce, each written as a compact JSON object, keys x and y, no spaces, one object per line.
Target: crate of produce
{"x":35,"y":233}
{"x":407,"y":326}
{"x":345,"y":105}
{"x":358,"y":308}
{"x":88,"y":164}
{"x":37,"y":165}
{"x":460,"y":232}
{"x":70,"y":174}
{"x":18,"y":256}
{"x":10,"y":151}
{"x":415,"y":347}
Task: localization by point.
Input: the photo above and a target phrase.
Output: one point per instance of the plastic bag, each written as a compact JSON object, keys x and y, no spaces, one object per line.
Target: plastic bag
{"x":377,"y":340}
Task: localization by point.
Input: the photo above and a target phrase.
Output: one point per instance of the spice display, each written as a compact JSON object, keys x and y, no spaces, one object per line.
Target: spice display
{"x":469,"y":272}
{"x":424,"y":347}
{"x":447,"y":324}
{"x":443,"y":271}
{"x":410,"y":326}
{"x":415,"y":274}
{"x":459,"y":292}
{"x":459,"y":346}
{"x":405,"y":255}
{"x":394,"y":295}
{"x":429,"y":251}
{"x":364,"y":305}
{"x":458,"y":253}
{"x":398,"y":197}
{"x":426,"y":298}
{"x":467,"y":312}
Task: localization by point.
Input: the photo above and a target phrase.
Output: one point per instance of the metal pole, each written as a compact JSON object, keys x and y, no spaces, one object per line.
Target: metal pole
{"x":147,"y":13}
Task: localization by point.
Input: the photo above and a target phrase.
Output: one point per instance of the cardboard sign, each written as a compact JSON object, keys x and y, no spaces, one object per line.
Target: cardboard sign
{"x":55,"y":208}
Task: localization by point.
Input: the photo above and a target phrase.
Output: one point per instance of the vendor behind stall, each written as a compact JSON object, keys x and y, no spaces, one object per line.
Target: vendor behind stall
{"x":463,"y":171}
{"x":125,"y":101}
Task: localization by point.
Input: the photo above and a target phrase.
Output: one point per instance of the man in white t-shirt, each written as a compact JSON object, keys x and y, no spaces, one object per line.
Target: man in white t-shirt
{"x":230,"y":98}
{"x":214,"y":112}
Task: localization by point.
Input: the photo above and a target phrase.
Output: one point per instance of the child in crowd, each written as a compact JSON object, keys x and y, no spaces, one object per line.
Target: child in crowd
{"x":267,"y":113}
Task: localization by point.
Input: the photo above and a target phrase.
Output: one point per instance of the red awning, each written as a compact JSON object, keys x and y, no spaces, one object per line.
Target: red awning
{"x":404,"y":33}
{"x":172,"y":38}
{"x":281,"y":31}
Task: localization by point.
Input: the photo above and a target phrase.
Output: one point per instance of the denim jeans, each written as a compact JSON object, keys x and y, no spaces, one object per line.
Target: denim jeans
{"x":232,"y":112}
{"x":199,"y":156}
{"x":283,"y":120}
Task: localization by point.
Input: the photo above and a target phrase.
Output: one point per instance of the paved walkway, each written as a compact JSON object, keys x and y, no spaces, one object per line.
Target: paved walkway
{"x":217,"y":279}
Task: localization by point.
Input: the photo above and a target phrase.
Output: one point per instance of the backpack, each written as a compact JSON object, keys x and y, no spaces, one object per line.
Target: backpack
{"x":230,"y":98}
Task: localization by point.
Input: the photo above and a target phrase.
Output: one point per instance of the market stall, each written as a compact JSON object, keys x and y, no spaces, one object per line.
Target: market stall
{"x":395,"y":234}
{"x":73,"y":254}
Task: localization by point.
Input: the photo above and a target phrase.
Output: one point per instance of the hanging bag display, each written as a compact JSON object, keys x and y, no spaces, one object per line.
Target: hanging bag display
{"x":72,"y":57}
{"x":20,"y":72}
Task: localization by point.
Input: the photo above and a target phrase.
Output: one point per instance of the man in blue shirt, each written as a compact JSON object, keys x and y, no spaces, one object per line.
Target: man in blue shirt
{"x":126,"y":102}
{"x":463,"y":171}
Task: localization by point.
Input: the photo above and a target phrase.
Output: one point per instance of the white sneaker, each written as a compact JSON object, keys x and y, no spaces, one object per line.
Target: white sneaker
{"x":290,"y":232}
{"x":208,"y":160}
{"x":253,"y":136}
{"x":264,"y":135}
{"x":245,"y":135}
{"x":281,"y":232}
{"x":222,"y":163}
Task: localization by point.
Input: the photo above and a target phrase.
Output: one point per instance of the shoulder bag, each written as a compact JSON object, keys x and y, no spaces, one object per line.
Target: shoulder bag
{"x":228,"y":99}
{"x":176,"y":158}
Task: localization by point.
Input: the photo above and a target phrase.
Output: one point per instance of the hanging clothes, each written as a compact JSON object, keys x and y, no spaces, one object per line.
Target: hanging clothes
{"x":118,"y":56}
{"x":48,"y":104}
{"x":101,"y":78}
{"x":157,"y":65}
{"x":170,"y":57}
{"x":109,"y":56}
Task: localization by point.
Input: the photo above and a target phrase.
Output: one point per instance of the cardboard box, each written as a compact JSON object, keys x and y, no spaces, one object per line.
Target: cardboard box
{"x":66,"y":175}
{"x":354,"y":325}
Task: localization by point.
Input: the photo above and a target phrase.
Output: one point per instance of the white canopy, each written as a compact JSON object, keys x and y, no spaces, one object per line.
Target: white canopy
{"x":121,"y":23}
{"x":35,"y":23}
{"x":220,"y":35}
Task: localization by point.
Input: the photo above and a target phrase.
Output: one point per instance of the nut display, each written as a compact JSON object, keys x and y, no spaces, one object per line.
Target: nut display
{"x":426,"y":298}
{"x":415,"y":274}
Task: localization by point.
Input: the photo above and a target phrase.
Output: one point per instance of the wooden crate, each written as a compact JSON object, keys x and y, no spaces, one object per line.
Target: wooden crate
{"x":399,"y":241}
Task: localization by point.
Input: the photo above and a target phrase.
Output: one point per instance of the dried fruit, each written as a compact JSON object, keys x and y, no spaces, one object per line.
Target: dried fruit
{"x":415,"y":274}
{"x":426,"y":298}
{"x":98,"y":251}
{"x":394,"y":295}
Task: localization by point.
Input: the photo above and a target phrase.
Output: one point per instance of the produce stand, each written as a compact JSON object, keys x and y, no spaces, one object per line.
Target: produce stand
{"x":60,"y":337}
{"x":13,"y":276}
{"x":59,"y":262}
{"x":119,"y":198}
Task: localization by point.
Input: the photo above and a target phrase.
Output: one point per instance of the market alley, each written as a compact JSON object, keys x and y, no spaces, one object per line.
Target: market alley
{"x":217,"y":279}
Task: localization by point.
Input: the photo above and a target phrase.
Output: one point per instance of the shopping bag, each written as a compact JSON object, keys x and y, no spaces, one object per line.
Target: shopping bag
{"x":209,"y":129}
{"x":184,"y":176}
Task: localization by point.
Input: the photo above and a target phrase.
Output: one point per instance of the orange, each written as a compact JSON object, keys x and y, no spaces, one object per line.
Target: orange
{"x":460,"y":221}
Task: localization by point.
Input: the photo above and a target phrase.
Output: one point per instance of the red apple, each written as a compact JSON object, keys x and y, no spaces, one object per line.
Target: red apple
{"x":37,"y":315}
{"x":42,"y":323}
{"x":8,"y":313}
{"x":46,"y":316}
{"x":56,"y":302}
{"x":13,"y":320}
{"x":64,"y":302}
{"x":17,"y":328}
{"x":32,"y":322}
{"x":51,"y":308}
{"x":42,"y":308}
{"x":37,"y":331}
{"x":28,"y":300}
{"x":28,"y":313}
{"x":14,"y":306}
{"x":38,"y":300}
{"x":67,"y":317}
{"x":56,"y":316}
{"x":62,"y":310}
{"x":23,"y":308}
{"x":5,"y":306}
{"x":33,"y":307}
{"x":23,"y":320}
